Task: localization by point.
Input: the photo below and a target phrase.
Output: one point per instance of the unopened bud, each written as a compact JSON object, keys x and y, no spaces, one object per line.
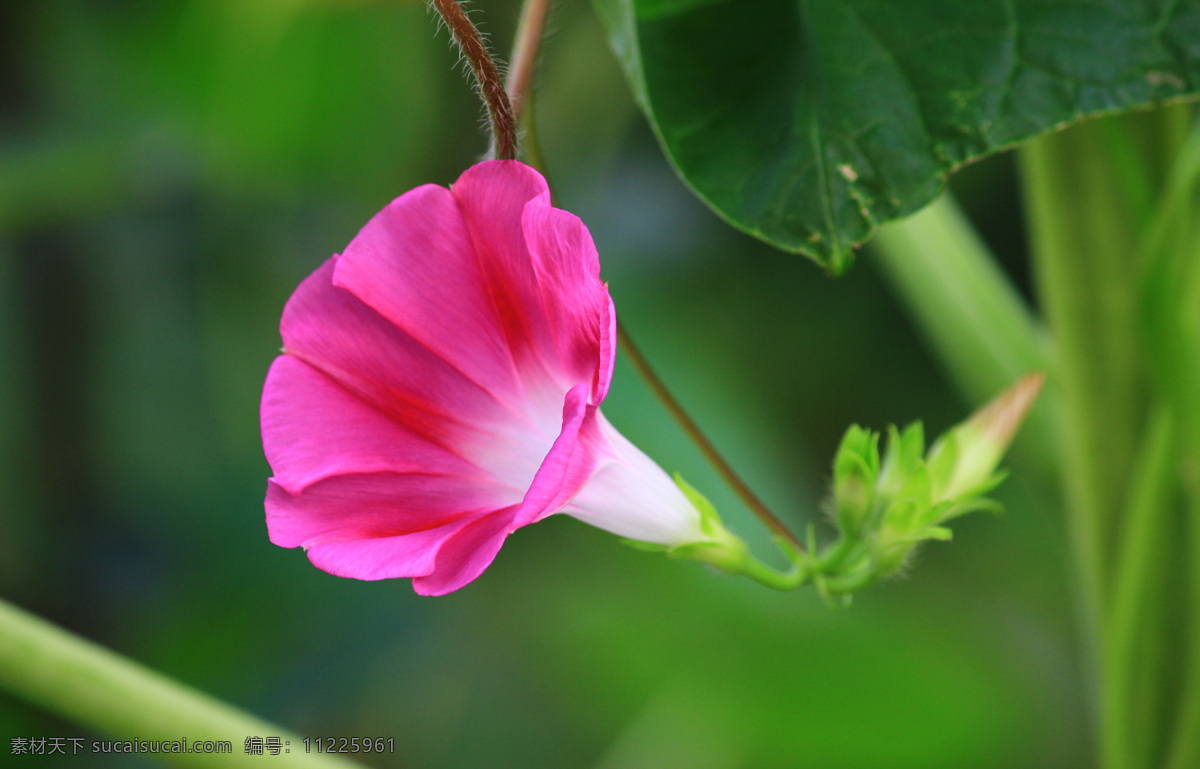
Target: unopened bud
{"x":963,"y":463}
{"x":855,"y":472}
{"x":905,"y":455}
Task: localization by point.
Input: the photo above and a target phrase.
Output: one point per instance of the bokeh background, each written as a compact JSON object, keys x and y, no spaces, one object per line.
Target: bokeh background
{"x":170,"y":170}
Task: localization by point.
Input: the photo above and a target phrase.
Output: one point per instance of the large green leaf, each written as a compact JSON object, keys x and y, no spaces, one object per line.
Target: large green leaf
{"x":808,"y":122}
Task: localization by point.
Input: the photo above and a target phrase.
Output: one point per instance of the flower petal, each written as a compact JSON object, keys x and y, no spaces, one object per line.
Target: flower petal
{"x":440,"y":389}
{"x":492,"y":196}
{"x":453,"y":269}
{"x":313,"y":428}
{"x":332,"y":330}
{"x":415,"y":263}
{"x":466,"y":555}
{"x":582,"y":318}
{"x":407,"y":555}
{"x":567,"y":466}
{"x":375,"y":505}
{"x":629,"y":495}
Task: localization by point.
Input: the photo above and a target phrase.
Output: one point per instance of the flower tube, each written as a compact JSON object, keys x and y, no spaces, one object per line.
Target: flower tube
{"x":440,"y":388}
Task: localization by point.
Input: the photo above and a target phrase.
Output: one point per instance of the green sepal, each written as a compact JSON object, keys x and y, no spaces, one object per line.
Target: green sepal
{"x":901,"y":516}
{"x":939,"y":513}
{"x":722,"y":550}
{"x":975,"y":505}
{"x":940,"y":533}
{"x":688,"y":551}
{"x":943,"y":462}
{"x":730,"y":556}
{"x":855,"y":476}
{"x":649,"y":547}
{"x":987,"y":486}
{"x":889,"y":556}
{"x":918,"y":488}
{"x":710,"y":521}
{"x":905,"y":453}
{"x":861,"y":443}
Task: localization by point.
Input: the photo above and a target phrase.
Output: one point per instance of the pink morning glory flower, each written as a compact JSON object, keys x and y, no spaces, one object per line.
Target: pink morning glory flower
{"x":440,"y":388}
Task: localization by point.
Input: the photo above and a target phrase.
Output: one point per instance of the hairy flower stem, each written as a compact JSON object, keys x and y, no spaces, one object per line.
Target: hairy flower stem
{"x":706,"y":447}
{"x":491,"y":86}
{"x":525,"y":52}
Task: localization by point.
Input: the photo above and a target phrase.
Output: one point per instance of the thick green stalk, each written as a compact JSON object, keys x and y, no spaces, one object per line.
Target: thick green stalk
{"x":1090,"y":193}
{"x":967,"y":308}
{"x":1083,"y":244}
{"x":101,"y":690}
{"x":1135,"y":628}
{"x":972,"y":314}
{"x":1185,"y":746}
{"x":1184,"y":749}
{"x":1182,"y":329}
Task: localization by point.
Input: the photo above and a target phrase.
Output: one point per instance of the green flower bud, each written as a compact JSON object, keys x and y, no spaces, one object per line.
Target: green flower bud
{"x":905,"y":455}
{"x":855,"y":472}
{"x":963,"y":463}
{"x":893,"y":541}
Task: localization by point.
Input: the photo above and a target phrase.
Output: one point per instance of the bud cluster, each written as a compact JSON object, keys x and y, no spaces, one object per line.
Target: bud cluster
{"x":883,"y":507}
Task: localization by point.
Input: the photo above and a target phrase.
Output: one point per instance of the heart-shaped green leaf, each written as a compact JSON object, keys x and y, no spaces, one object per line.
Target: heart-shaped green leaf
{"x":808,"y":122}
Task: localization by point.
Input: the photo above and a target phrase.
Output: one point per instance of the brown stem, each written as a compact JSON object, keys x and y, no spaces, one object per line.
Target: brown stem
{"x":491,"y":87}
{"x":525,"y":52}
{"x":706,"y":447}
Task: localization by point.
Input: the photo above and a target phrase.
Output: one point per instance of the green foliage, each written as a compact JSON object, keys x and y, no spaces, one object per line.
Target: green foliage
{"x":806,"y":123}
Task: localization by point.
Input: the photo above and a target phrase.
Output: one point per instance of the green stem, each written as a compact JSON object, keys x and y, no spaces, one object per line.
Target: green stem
{"x":1165,"y":243}
{"x":1089,"y":192}
{"x":1133,"y":636}
{"x":825,"y":572}
{"x":99,"y":689}
{"x":851,"y":583}
{"x":845,"y":549}
{"x":697,"y":436}
{"x":1184,"y":750}
{"x":531,"y":143}
{"x":1171,"y":309}
{"x":1082,"y":240}
{"x":776,"y":580}
{"x":972,"y":314}
{"x":1183,"y":330}
{"x":523,"y":62}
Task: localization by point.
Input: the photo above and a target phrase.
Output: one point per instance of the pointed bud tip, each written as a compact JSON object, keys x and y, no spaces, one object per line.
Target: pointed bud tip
{"x":1000,"y":419}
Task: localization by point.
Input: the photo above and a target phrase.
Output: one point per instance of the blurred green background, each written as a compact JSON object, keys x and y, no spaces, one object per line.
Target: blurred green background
{"x":170,"y":170}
